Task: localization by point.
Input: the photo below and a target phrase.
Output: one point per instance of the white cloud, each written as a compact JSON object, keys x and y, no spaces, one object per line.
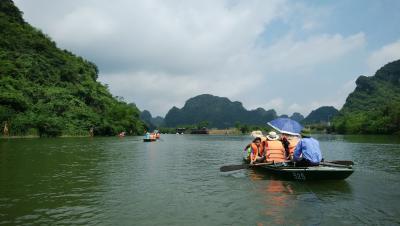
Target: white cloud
{"x":166,"y":90}
{"x":384,"y":55}
{"x":276,"y":103}
{"x":160,"y":53}
{"x":292,"y":55}
{"x":295,"y":107}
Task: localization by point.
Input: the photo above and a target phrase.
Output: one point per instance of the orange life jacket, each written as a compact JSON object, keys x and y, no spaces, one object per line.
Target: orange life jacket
{"x":258,"y":151}
{"x":275,"y":151}
{"x":293,"y":143}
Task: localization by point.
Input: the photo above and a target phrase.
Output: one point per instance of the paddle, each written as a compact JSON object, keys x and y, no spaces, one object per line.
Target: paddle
{"x":342,"y":162}
{"x":241,"y":166}
{"x":334,"y":165}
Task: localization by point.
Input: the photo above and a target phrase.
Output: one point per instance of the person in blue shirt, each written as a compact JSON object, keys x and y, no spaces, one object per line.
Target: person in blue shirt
{"x":307,"y":152}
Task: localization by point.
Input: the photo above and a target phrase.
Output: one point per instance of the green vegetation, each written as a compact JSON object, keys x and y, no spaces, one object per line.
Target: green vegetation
{"x":219,"y":112}
{"x":46,"y":91}
{"x":151,"y":123}
{"x":297,"y":117}
{"x":374,"y":106}
{"x":321,"y":116}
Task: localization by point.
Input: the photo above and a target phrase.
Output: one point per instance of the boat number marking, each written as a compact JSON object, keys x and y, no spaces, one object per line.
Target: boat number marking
{"x":299,"y":176}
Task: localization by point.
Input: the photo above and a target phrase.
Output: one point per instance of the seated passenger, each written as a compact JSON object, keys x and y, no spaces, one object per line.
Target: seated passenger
{"x":286,"y":144}
{"x":307,"y":152}
{"x":257,"y":151}
{"x":275,"y":148}
{"x":289,"y":142}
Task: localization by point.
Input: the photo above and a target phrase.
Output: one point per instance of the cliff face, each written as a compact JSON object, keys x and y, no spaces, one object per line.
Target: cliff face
{"x":219,"y":112}
{"x":151,"y":123}
{"x":321,"y":115}
{"x":297,"y":117}
{"x":374,"y":106}
{"x":49,"y":91}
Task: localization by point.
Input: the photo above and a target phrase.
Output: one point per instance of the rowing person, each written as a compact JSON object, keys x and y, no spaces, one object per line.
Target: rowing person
{"x":307,"y":152}
{"x":256,"y":153}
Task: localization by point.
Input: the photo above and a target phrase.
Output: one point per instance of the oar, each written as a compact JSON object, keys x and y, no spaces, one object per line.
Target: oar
{"x":334,"y":165}
{"x":242,"y":166}
{"x":342,"y":162}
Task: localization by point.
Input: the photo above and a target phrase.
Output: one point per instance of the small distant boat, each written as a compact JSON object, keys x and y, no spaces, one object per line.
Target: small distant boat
{"x":150,"y":137}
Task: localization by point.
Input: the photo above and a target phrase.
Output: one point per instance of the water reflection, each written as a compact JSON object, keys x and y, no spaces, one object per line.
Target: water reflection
{"x":114,"y":181}
{"x":293,"y":202}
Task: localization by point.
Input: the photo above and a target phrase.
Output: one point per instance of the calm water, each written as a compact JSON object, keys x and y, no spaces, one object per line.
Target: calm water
{"x":176,"y":181}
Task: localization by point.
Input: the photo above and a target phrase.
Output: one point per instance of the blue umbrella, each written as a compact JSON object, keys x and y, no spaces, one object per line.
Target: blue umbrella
{"x":286,"y":125}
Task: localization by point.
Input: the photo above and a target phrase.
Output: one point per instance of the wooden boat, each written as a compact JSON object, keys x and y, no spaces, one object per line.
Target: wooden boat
{"x":288,"y":171}
{"x":149,"y":139}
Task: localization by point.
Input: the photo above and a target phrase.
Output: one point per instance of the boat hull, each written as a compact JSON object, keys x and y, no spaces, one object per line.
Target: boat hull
{"x":149,"y":140}
{"x":306,"y":173}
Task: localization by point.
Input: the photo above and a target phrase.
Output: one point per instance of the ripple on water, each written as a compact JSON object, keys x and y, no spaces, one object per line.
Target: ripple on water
{"x":177,"y":182}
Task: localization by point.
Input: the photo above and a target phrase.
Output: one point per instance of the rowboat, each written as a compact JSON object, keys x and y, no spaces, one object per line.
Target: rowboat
{"x":288,"y":171}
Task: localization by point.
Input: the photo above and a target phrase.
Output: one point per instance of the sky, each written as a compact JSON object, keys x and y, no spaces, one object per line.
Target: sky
{"x":291,"y":56}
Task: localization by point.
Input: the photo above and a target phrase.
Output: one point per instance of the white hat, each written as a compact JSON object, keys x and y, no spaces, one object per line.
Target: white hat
{"x":256,"y":133}
{"x":272,"y":136}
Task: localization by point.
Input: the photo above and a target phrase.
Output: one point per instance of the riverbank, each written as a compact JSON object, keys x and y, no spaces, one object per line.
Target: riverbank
{"x":232,"y":131}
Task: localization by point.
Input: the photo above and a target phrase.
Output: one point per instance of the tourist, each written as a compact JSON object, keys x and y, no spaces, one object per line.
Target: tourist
{"x":286,"y":145}
{"x":91,"y":132}
{"x":307,"y":152}
{"x":5,"y":129}
{"x":275,"y":148}
{"x":257,"y":153}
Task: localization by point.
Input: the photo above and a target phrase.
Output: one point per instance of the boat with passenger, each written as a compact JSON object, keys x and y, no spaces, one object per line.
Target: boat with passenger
{"x":149,"y":137}
{"x":290,"y":156}
{"x":329,"y":170}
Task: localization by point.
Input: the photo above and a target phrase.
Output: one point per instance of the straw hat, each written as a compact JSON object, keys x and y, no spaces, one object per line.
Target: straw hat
{"x":272,"y":136}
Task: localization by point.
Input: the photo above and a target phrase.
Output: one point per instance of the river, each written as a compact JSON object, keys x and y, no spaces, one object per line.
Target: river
{"x":176,"y":181}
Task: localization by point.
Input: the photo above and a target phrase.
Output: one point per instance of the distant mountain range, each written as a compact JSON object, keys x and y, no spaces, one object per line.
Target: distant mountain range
{"x":151,"y":123}
{"x":220,"y":112}
{"x":374,"y":106}
{"x":321,"y":115}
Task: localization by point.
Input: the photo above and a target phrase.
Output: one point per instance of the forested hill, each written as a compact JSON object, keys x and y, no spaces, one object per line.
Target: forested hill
{"x":50,"y":92}
{"x":374,"y":106}
{"x":151,"y":123}
{"x":321,"y":115}
{"x":219,"y":112}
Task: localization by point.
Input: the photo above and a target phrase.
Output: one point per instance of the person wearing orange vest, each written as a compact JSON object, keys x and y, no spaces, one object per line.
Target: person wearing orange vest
{"x":257,"y":151}
{"x":275,"y":148}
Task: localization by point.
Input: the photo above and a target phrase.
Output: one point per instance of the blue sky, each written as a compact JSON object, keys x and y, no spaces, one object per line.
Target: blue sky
{"x":292,"y":56}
